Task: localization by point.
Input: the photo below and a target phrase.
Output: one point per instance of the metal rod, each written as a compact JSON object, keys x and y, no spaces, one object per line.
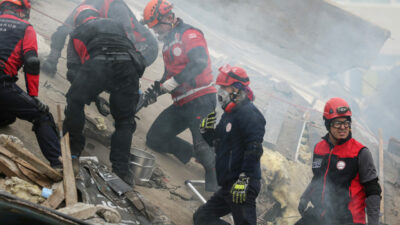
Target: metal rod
{"x":190,"y":183}
{"x":194,"y":182}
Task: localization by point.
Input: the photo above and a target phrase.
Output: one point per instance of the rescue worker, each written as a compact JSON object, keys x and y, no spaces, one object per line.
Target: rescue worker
{"x":18,"y":47}
{"x":237,"y":140}
{"x":345,"y":182}
{"x":188,"y":79}
{"x":143,"y":39}
{"x":100,"y":57}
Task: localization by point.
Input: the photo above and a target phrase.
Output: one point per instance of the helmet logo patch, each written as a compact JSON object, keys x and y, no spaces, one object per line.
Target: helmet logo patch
{"x":340,"y":165}
{"x":228,"y":127}
{"x":177,"y":51}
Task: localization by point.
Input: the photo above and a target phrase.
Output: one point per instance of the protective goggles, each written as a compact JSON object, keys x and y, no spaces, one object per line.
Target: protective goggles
{"x":342,"y":110}
{"x":338,"y":124}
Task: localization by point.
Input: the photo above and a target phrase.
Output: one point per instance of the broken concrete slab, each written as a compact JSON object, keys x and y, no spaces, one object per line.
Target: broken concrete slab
{"x":182,"y":193}
{"x":80,"y":211}
{"x":110,"y":215}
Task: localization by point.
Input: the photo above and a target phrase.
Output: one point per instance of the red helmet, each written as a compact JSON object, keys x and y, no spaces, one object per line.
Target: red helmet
{"x":84,"y":8}
{"x":229,"y":75}
{"x":23,"y":3}
{"x":336,"y":107}
{"x":155,"y":10}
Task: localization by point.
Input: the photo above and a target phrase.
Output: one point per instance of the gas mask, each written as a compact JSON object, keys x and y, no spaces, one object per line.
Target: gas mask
{"x":223,"y":97}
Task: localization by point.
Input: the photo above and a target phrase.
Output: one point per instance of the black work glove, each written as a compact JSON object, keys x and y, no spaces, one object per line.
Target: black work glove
{"x":239,"y":189}
{"x":40,"y":105}
{"x":102,"y":106}
{"x":302,"y":206}
{"x":152,"y":93}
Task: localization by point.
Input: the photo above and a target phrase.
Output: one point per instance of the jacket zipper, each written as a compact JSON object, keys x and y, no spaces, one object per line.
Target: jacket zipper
{"x":326,"y":173}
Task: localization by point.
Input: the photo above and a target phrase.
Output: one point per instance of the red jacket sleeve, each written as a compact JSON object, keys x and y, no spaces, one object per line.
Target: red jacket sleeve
{"x":193,"y":38}
{"x":30,"y":44}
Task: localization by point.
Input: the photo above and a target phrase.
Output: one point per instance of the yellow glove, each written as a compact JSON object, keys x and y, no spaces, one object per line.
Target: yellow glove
{"x":208,"y":122}
{"x":239,"y":189}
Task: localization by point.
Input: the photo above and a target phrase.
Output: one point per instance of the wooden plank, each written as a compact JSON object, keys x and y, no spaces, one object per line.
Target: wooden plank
{"x":57,"y":197}
{"x":36,"y":178}
{"x":381,"y":173}
{"x":10,"y":169}
{"x":33,"y":160}
{"x":17,"y":159}
{"x":70,"y":192}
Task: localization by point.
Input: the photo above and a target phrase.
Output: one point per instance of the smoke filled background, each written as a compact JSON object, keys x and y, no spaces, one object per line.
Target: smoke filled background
{"x":298,"y":54}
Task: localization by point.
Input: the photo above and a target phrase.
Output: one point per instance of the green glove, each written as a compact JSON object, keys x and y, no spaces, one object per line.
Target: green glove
{"x":208,"y":123}
{"x":239,"y":189}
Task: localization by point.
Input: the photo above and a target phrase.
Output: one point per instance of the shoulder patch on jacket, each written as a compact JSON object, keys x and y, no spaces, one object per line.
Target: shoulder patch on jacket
{"x":317,"y":163}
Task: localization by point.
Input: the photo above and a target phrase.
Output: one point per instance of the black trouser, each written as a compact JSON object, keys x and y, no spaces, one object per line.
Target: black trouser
{"x":121,"y":80}
{"x":162,"y":136}
{"x":16,"y":103}
{"x":220,"y":204}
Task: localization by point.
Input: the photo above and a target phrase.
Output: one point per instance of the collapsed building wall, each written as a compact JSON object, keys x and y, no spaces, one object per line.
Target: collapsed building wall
{"x":317,"y":35}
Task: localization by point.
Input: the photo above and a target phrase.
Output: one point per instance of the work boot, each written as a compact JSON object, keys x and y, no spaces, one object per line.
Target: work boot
{"x":128,"y":177}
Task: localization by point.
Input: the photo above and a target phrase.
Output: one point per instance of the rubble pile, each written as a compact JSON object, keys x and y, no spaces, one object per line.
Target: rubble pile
{"x":283,"y":183}
{"x":28,"y":178}
{"x":24,"y":190}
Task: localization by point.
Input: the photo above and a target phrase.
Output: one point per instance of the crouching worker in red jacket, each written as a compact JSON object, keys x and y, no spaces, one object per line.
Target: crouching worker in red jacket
{"x":18,"y":47}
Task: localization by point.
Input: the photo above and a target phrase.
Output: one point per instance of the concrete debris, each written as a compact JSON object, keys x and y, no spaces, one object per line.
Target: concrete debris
{"x":24,"y":190}
{"x":96,"y":128}
{"x":80,"y":210}
{"x":305,"y":154}
{"x":182,"y":193}
{"x":110,"y":215}
{"x":283,"y":183}
{"x":157,"y":180}
{"x":9,"y":138}
{"x":100,"y":123}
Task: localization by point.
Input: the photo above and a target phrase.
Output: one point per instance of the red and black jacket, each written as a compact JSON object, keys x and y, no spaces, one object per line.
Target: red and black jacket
{"x":181,"y":40}
{"x":143,"y":39}
{"x":336,"y":189}
{"x":17,"y":41}
{"x":97,"y":37}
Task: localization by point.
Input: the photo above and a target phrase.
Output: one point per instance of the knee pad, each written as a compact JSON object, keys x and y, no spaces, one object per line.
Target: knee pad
{"x":129,"y":124}
{"x":7,"y":121}
{"x":32,"y":63}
